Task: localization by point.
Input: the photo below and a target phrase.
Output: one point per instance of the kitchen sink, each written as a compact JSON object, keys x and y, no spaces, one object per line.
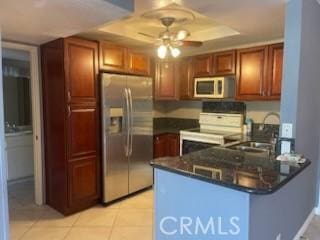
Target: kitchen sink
{"x":254,"y":147}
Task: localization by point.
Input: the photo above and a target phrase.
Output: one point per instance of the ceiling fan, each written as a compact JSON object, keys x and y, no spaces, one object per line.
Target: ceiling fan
{"x":169,"y":40}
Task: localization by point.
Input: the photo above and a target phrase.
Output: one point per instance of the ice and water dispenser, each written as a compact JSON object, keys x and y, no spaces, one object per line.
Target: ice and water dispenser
{"x":116,"y":115}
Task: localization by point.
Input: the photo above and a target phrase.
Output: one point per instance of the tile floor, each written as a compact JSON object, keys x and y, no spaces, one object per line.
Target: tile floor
{"x":126,"y":220}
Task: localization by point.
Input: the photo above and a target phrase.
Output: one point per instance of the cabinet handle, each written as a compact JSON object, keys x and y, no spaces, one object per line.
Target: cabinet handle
{"x":69,"y":111}
{"x":69,"y":96}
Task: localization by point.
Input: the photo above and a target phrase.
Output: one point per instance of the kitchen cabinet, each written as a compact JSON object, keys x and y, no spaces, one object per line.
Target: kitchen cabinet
{"x":275,"y":71}
{"x":112,"y":57}
{"x":259,"y":73}
{"x":252,"y":73}
{"x":166,"y":145}
{"x":186,"y":79}
{"x":120,"y":59}
{"x":71,"y":124}
{"x":203,"y":65}
{"x":224,"y":63}
{"x":138,"y":63}
{"x":167,"y":80}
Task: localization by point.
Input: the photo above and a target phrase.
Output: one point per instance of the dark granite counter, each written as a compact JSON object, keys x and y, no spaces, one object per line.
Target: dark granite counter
{"x":256,"y":173}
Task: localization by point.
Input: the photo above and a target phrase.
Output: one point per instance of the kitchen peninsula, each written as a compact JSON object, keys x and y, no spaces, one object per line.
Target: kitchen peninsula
{"x":221,"y":193}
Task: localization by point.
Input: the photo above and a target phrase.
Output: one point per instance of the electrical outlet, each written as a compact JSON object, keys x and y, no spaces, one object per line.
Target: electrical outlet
{"x":287,"y":130}
{"x":285,"y":147}
{"x":278,"y":237}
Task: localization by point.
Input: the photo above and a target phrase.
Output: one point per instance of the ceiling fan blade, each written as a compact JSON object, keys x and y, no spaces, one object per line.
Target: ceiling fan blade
{"x":147,"y":35}
{"x":192,"y":44}
{"x":182,"y":34}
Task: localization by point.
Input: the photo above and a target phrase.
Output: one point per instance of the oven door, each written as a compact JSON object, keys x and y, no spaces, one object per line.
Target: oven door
{"x":189,"y":146}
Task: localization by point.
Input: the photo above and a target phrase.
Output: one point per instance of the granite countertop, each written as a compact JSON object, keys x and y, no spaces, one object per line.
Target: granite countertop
{"x":256,"y":173}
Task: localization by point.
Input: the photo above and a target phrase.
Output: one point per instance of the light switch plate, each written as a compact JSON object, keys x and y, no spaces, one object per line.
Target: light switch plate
{"x":287,"y":130}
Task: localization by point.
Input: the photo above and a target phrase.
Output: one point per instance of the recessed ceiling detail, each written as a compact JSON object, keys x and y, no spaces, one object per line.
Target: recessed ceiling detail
{"x":201,"y":27}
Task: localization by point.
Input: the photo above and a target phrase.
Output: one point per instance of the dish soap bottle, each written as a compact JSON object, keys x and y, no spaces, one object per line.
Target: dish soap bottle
{"x":249,"y":124}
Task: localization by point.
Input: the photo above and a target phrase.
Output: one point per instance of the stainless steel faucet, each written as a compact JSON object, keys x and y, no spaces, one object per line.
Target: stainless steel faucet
{"x":261,"y":127}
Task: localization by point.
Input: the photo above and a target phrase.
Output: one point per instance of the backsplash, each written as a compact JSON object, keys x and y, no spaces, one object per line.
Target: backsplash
{"x":191,"y":109}
{"x":267,"y":131}
{"x":175,"y":123}
{"x":224,"y":107}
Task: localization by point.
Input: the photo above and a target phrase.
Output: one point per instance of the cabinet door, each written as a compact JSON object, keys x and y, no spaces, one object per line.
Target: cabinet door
{"x":112,"y":57}
{"x":159,"y":146}
{"x":83,"y":181}
{"x":83,"y":136}
{"x":203,"y":65}
{"x":166,"y":81}
{"x":81,"y":70}
{"x":186,"y":79}
{"x":275,"y":70}
{"x":139,"y":63}
{"x":173,"y":145}
{"x":224,"y":63}
{"x":252,"y":73}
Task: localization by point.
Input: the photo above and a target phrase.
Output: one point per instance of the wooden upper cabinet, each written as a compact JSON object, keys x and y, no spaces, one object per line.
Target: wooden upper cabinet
{"x":138,"y":63}
{"x":166,"y":80}
{"x":252,"y":73}
{"x":117,"y":58}
{"x":186,"y":79}
{"x":203,"y":65}
{"x":224,"y":63}
{"x":275,"y":71}
{"x":81,"y":70}
{"x":113,"y":57}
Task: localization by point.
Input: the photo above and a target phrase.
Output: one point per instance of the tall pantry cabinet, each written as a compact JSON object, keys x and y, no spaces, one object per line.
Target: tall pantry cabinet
{"x":71,"y":123}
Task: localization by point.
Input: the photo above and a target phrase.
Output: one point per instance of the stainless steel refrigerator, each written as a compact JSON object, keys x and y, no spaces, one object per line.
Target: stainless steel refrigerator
{"x":127,"y":134}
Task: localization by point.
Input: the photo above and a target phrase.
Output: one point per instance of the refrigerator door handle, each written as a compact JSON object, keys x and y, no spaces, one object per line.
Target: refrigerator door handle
{"x":131,"y":121}
{"x":127,"y":145}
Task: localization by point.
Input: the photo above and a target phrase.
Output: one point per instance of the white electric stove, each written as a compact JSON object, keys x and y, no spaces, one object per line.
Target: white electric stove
{"x":214,"y":128}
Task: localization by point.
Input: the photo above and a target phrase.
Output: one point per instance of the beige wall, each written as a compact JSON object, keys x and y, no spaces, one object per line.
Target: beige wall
{"x":191,"y":109}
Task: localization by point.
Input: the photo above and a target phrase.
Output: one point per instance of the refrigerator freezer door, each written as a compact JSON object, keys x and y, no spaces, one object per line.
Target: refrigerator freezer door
{"x":141,"y":132}
{"x":115,"y":136}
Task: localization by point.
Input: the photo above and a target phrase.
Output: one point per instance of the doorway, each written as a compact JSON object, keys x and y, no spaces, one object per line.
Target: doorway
{"x":22,"y":108}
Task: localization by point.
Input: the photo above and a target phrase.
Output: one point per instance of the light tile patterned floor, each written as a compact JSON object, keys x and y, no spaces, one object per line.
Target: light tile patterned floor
{"x":126,"y":220}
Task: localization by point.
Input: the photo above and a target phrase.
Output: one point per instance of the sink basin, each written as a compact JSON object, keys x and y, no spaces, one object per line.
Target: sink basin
{"x":254,"y":147}
{"x":251,"y":149}
{"x":259,"y":145}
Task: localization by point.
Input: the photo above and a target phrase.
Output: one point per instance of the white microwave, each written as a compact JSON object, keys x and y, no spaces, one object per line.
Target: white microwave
{"x":214,"y":87}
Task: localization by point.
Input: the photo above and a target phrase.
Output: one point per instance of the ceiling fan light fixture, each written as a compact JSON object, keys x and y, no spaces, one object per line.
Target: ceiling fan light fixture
{"x":182,"y":34}
{"x":162,"y":51}
{"x":175,"y":52}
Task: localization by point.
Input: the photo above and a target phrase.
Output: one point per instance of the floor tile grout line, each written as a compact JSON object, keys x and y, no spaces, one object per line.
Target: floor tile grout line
{"x":113,"y":223}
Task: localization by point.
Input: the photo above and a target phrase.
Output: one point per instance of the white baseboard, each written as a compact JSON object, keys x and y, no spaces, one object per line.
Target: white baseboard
{"x":305,"y":225}
{"x":20,"y":180}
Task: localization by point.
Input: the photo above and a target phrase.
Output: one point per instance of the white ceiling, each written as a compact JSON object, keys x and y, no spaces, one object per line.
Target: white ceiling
{"x":254,"y":20}
{"x":39,"y":21}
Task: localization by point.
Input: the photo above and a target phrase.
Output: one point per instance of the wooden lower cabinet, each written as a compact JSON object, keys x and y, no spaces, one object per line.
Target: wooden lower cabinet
{"x":83,"y":181}
{"x":166,"y":145}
